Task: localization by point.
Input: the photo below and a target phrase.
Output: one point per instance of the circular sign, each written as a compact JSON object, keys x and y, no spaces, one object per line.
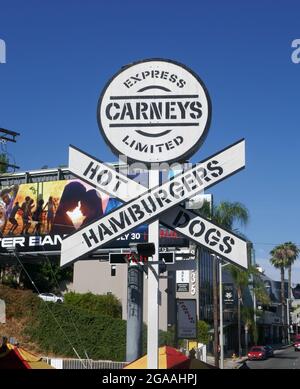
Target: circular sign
{"x":154,"y":111}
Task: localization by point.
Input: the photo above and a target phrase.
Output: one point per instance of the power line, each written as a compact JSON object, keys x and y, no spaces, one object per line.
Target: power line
{"x":68,"y":310}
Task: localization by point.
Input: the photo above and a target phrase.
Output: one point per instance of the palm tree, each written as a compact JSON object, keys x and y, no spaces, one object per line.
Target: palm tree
{"x":225,"y":214}
{"x":292,"y":253}
{"x":241,"y":280}
{"x":283,"y":256}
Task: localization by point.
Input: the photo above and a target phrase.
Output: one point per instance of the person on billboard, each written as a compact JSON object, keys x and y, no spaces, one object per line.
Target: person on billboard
{"x":12,"y":218}
{"x":72,"y":194}
{"x":37,"y":216}
{"x":91,"y":207}
{"x":50,"y":212}
{"x":26,"y":208}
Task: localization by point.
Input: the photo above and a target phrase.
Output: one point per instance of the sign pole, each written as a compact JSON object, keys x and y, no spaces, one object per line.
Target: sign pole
{"x":153,"y":286}
{"x":221,"y":317}
{"x":134,"y":313}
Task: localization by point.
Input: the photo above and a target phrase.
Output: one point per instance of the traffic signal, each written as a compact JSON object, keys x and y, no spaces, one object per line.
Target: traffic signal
{"x":146,"y":249}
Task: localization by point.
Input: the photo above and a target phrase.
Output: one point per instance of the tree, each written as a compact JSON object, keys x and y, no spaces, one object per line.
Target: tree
{"x":247,"y":315}
{"x":241,"y":280}
{"x":47,"y":276}
{"x":281,"y":258}
{"x":292,"y":253}
{"x":225,"y":214}
{"x":202,"y":332}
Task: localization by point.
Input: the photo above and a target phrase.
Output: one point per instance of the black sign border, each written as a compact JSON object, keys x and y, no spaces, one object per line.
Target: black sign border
{"x":192,"y":150}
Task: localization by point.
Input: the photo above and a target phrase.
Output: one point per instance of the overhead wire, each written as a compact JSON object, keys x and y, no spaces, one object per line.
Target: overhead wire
{"x":68,"y":310}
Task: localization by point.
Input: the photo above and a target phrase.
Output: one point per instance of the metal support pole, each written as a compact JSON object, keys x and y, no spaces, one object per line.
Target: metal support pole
{"x":221,"y":317}
{"x":215,"y":312}
{"x":288,"y":320}
{"x":134,"y":329}
{"x":153,"y":286}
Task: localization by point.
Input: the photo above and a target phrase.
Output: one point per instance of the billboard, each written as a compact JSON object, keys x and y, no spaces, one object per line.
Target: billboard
{"x":34,"y":217}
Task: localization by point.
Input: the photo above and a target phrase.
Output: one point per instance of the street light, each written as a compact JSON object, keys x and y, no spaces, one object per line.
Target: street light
{"x":221,"y":314}
{"x":288,"y":319}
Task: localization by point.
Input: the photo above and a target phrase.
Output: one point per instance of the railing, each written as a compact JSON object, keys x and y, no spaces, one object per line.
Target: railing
{"x":60,"y":363}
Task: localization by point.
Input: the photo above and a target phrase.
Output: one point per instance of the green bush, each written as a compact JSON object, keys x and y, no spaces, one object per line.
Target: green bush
{"x":107,"y":305}
{"x":203,"y":334}
{"x":57,"y":328}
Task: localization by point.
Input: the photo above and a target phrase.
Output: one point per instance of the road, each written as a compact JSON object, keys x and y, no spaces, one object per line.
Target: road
{"x":283,"y":359}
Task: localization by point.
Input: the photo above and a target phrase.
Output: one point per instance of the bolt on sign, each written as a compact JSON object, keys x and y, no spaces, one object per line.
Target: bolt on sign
{"x":155,"y":111}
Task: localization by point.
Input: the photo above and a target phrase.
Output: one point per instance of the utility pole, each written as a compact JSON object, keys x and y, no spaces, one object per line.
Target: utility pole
{"x":288,"y":319}
{"x":221,"y":317}
{"x":221,"y":312}
{"x":215,"y":311}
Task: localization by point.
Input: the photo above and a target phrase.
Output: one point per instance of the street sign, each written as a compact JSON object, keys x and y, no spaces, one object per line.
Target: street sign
{"x":228,"y":295}
{"x":182,"y":280}
{"x":154,"y":110}
{"x":208,"y":234}
{"x":200,"y":230}
{"x":152,"y":203}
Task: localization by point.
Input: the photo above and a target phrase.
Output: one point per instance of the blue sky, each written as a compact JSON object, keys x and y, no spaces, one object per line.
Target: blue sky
{"x":61,"y":53}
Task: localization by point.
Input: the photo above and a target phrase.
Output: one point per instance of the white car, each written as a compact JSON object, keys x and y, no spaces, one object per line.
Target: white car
{"x":51,"y":297}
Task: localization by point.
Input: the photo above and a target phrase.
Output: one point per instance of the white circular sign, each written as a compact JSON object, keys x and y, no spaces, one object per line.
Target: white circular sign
{"x":154,"y":111}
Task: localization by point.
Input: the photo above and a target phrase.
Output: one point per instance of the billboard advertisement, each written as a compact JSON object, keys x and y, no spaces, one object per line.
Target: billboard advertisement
{"x":34,"y":217}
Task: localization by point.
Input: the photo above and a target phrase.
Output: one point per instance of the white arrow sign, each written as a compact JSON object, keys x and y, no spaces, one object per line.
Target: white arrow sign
{"x":152,"y":203}
{"x":202,"y":231}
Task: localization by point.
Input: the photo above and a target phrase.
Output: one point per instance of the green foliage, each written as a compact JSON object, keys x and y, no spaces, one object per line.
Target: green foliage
{"x":202,"y":330}
{"x":102,"y":337}
{"x":57,"y":328}
{"x":46,"y":275}
{"x":284,"y":255}
{"x":226,"y":213}
{"x":107,"y":305}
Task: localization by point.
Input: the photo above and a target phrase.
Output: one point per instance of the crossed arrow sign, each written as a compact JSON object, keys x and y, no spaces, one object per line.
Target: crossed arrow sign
{"x":144,"y":205}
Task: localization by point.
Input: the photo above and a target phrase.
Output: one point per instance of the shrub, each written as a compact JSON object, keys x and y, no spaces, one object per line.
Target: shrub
{"x":107,"y":305}
{"x":57,"y":328}
{"x":203,"y":334}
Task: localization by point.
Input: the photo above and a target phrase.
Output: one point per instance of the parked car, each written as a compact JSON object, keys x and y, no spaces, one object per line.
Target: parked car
{"x":297,"y":345}
{"x":270,"y":351}
{"x":51,"y":297}
{"x":296,"y":338}
{"x":257,"y":352}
